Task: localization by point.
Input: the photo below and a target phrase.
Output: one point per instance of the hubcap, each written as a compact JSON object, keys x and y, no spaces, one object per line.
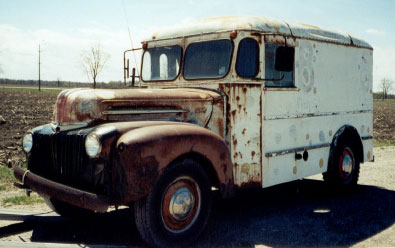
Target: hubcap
{"x":346,"y":163}
{"x":181,"y":204}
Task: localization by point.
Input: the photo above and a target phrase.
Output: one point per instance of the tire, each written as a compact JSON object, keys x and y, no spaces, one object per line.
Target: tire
{"x":343,"y":167}
{"x":177,"y":210}
{"x":66,"y":210}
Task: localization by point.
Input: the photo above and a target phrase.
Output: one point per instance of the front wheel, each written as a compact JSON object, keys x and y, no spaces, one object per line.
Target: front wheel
{"x":177,"y":210}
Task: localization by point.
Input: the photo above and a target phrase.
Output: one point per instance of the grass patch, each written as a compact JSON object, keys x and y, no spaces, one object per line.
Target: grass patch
{"x":6,"y":175}
{"x":32,"y":89}
{"x":379,"y":143}
{"x":3,"y":187}
{"x":22,"y":200}
{"x":22,"y":164}
{"x":386,"y":100}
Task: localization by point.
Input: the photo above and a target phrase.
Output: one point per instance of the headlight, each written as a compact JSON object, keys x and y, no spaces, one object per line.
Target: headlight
{"x":27,"y":142}
{"x":92,"y":145}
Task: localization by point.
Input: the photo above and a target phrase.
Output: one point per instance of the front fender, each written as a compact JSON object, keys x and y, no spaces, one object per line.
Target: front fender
{"x":143,"y":154}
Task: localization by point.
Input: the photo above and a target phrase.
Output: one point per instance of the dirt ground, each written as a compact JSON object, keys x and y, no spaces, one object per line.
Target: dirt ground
{"x":21,"y":111}
{"x":302,"y":213}
{"x":384,"y":120}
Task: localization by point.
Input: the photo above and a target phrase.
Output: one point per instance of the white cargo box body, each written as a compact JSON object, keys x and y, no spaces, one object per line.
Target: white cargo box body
{"x":284,"y":133}
{"x":333,"y":89}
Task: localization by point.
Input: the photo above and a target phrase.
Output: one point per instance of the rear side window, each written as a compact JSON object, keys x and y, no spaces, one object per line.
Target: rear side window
{"x":279,"y":66}
{"x":247,"y":63}
{"x":209,"y":59}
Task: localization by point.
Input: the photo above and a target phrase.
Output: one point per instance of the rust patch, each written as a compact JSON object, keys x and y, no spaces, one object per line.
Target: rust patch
{"x":252,"y":155}
{"x":321,"y":163}
{"x":150,"y":149}
{"x":88,"y":105}
{"x":59,"y":191}
{"x":220,"y":125}
{"x":234,"y":139}
{"x":245,"y":168}
{"x":239,"y":106}
{"x":310,"y":26}
{"x":295,"y":170}
{"x":233,"y":116}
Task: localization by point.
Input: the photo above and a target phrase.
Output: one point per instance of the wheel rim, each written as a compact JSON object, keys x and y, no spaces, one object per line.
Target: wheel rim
{"x":346,"y":163}
{"x":181,"y":204}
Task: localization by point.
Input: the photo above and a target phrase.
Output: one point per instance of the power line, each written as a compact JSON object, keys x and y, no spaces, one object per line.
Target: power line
{"x":130,"y":36}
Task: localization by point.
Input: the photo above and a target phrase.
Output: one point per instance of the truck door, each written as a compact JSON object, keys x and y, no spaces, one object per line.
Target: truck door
{"x":293,"y":145}
{"x":280,"y":132}
{"x":244,"y":124}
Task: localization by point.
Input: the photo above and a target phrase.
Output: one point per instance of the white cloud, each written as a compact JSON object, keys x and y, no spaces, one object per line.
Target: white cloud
{"x":375,"y":31}
{"x":61,"y":52}
{"x":383,"y":65}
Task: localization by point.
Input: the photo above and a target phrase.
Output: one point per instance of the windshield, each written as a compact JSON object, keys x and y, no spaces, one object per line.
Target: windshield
{"x":161,"y":63}
{"x":210,"y":59}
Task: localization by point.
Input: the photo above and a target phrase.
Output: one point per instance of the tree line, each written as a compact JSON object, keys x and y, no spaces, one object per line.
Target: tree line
{"x":60,"y":83}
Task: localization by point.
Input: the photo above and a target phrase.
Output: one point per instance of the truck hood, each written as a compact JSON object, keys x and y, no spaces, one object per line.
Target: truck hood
{"x":176,"y":104}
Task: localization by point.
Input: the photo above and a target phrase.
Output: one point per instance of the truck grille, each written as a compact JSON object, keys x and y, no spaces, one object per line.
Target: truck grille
{"x":61,"y":157}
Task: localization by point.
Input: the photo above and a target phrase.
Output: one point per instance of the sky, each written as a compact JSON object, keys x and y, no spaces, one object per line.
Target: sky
{"x":64,"y":29}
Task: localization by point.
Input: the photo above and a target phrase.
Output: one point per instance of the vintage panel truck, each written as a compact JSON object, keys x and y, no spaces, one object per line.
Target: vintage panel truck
{"x":222,"y":103}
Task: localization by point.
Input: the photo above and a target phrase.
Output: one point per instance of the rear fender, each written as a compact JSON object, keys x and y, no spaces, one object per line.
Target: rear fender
{"x":143,"y":154}
{"x":350,"y":134}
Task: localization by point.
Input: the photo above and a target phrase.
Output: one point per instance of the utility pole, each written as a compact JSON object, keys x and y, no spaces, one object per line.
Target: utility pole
{"x":39,"y":73}
{"x":39,"y":69}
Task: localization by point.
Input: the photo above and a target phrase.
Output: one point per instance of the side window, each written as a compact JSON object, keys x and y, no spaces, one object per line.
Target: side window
{"x":279,"y":66}
{"x":208,"y":59}
{"x":161,"y":63}
{"x":247,"y":63}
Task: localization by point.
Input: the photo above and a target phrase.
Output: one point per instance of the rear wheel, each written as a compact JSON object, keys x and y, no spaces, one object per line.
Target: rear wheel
{"x":343,"y":169}
{"x":177,"y":210}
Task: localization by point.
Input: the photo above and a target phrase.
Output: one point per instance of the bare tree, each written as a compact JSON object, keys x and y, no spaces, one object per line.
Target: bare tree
{"x":386,"y":86}
{"x":93,"y":61}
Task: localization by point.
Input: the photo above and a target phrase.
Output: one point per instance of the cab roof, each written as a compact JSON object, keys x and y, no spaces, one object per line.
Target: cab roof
{"x":258,"y":24}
